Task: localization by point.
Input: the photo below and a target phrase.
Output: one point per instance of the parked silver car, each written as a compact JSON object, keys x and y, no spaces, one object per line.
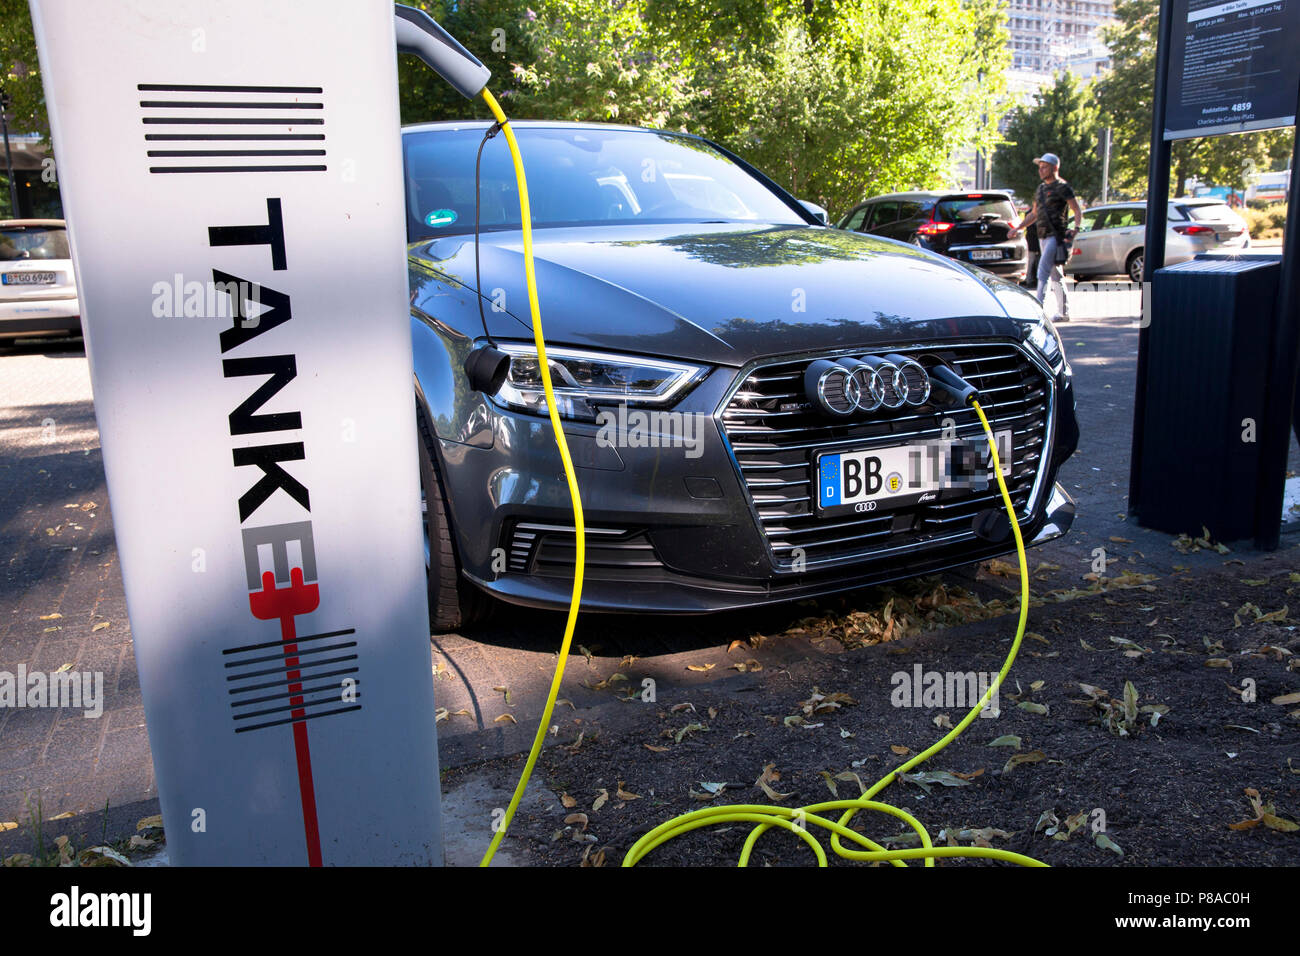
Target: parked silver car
{"x":1113,"y":235}
{"x":38,"y":295}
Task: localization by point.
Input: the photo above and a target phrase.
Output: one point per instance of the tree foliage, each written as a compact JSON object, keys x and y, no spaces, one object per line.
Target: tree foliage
{"x":836,"y":99}
{"x":20,"y":70}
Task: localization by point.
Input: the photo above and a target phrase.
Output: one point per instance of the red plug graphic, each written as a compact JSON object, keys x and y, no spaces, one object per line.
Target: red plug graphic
{"x":272,"y":602}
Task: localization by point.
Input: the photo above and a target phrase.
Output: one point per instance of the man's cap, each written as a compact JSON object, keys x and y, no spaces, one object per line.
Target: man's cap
{"x":1051,"y":158}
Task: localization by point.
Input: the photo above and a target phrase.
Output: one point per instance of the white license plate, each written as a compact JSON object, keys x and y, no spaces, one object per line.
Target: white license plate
{"x":885,"y":478}
{"x":29,"y":278}
{"x":982,"y":254}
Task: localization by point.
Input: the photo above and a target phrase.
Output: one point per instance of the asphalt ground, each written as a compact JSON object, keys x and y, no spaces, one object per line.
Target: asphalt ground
{"x":61,"y":601}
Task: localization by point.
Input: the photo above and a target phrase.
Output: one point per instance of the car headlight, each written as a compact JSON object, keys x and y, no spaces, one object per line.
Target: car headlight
{"x":1047,"y":342}
{"x":584,"y":381}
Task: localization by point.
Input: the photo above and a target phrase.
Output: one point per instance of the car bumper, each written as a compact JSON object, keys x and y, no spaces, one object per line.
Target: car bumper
{"x":687,"y":594}
{"x":1013,"y":265}
{"x":40,"y":317}
{"x":675,"y":529}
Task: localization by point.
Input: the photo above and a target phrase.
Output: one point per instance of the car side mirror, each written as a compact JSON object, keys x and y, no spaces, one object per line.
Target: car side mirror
{"x":822,"y":215}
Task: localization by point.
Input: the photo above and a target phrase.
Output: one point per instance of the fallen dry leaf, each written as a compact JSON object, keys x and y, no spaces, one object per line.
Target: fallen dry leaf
{"x":769,"y":776}
{"x":1032,"y":756}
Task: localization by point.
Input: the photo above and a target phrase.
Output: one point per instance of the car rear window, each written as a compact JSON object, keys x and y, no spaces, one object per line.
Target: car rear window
{"x":1210,"y":212}
{"x":971,"y":208}
{"x":33,"y":242}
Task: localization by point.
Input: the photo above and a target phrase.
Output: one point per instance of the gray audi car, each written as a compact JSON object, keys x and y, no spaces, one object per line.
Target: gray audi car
{"x":760,"y":408}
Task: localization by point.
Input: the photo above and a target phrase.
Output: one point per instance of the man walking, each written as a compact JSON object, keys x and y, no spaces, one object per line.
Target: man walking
{"x":1053,"y":197}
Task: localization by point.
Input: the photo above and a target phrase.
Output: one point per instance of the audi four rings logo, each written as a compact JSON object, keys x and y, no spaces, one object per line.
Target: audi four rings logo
{"x":846,"y":386}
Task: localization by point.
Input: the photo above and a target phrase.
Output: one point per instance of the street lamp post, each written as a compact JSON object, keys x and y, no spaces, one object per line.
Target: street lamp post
{"x":981,"y":160}
{"x":9,"y":160}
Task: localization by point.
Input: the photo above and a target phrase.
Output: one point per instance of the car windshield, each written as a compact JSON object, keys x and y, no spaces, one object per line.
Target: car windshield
{"x":970,"y":209}
{"x":33,"y":242}
{"x":1211,"y":212}
{"x":578,"y":177}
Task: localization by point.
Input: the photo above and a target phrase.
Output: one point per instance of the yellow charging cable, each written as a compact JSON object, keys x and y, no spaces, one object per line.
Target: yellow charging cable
{"x":526,"y":219}
{"x":798,"y":819}
{"x":766,"y":817}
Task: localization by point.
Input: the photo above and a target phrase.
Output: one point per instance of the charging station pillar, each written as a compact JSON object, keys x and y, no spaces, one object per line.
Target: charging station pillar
{"x":232,"y":180}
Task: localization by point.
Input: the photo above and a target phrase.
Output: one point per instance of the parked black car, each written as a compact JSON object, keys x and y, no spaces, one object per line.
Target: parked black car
{"x":970,"y":227}
{"x":748,"y":393}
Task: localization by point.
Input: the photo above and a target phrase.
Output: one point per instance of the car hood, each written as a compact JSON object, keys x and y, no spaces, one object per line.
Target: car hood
{"x":725,"y":293}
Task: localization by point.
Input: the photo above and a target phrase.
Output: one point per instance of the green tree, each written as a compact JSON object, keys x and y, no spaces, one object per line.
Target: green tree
{"x":834,"y":100}
{"x":1125,"y":96}
{"x":841,"y":100}
{"x":1063,"y":120}
{"x":20,"y":70}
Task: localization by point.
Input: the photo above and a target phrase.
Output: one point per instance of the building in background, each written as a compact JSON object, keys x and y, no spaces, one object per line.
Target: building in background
{"x":1048,"y":36}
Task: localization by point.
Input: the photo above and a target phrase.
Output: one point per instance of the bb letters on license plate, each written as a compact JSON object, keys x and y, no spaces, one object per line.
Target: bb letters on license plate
{"x":986,"y":254}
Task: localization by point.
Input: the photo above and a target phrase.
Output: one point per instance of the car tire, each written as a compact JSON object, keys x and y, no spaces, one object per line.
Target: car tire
{"x":454,"y":602}
{"x":1133,"y":265}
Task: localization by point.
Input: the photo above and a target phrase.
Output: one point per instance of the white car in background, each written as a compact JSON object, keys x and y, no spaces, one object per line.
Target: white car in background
{"x":1113,"y":235}
{"x":38,"y":295}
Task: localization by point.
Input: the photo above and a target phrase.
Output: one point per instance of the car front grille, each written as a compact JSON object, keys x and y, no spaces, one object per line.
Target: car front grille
{"x":775,"y":432}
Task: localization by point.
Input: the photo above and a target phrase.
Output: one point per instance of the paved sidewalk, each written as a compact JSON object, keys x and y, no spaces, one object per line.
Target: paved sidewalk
{"x":61,"y":601}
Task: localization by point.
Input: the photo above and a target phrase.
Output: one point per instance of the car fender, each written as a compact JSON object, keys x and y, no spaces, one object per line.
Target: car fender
{"x":445,"y":323}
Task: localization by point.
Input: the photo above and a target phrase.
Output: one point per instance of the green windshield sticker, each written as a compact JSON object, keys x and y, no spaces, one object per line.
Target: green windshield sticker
{"x":441,"y":217}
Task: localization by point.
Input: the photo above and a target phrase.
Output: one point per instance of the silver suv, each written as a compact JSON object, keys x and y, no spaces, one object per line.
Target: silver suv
{"x":1112,"y":237}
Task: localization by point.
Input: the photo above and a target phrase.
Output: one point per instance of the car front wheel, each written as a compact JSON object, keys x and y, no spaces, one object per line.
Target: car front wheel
{"x":454,"y":602}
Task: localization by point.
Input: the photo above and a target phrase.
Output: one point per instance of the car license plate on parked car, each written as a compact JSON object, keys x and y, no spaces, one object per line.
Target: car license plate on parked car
{"x":880,"y":479}
{"x":981,"y":254}
{"x":29,"y":278}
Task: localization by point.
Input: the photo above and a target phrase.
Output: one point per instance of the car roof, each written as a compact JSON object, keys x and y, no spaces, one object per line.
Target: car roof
{"x":936,"y":194}
{"x":1180,"y":200}
{"x":531,"y":124}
